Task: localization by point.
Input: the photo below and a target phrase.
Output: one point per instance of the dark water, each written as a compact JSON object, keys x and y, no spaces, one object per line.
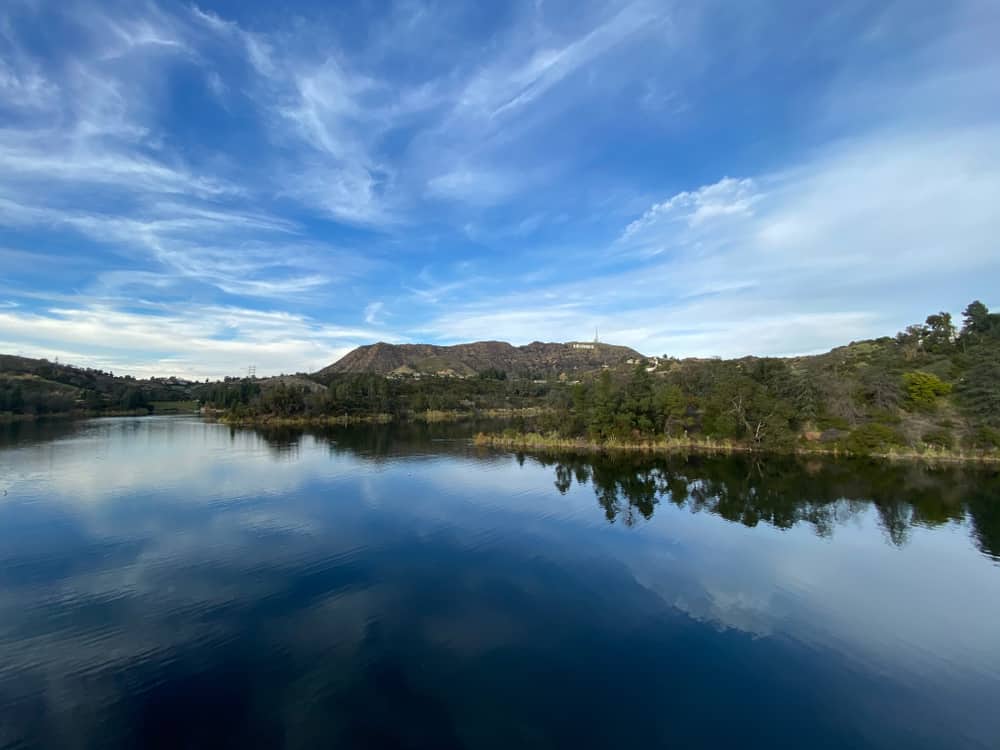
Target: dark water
{"x":169,"y":583}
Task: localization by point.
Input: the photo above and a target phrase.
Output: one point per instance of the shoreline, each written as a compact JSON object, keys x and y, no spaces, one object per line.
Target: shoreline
{"x":341,"y":421}
{"x":217,"y":415}
{"x":536,"y":442}
{"x":430,"y":416}
{"x":70,"y":415}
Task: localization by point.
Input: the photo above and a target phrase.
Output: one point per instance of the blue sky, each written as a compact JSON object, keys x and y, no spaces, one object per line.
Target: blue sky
{"x":193,"y":188}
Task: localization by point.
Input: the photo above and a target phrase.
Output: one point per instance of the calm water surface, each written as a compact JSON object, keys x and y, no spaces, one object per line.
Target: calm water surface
{"x":170,"y":583}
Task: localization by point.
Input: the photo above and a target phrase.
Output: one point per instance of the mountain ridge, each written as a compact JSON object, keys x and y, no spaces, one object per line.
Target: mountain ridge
{"x":469,"y":359}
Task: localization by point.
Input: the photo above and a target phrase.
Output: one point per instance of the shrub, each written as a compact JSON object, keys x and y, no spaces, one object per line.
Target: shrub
{"x":923,"y":389}
{"x":873,"y":438}
{"x":939,"y":437}
{"x":830,"y":422}
{"x":986,"y":437}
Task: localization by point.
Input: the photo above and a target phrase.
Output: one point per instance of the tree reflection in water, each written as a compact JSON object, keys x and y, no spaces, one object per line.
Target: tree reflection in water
{"x":781,"y":491}
{"x":785,"y":491}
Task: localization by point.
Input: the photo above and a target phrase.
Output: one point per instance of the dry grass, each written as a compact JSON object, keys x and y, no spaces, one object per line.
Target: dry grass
{"x":534,"y":441}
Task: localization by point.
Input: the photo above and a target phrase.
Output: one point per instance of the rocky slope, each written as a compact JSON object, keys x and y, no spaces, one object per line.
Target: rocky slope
{"x":463,"y":360}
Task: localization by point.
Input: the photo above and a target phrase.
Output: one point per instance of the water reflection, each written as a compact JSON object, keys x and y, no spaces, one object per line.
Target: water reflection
{"x":781,"y":491}
{"x":379,"y":442}
{"x":171,"y":583}
{"x":784,"y":491}
{"x":35,"y":431}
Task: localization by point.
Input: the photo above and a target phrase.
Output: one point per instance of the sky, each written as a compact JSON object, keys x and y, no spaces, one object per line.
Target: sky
{"x":191,"y":189}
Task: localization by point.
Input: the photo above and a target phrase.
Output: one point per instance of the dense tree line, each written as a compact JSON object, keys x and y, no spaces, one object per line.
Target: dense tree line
{"x":41,"y":398}
{"x":355,"y":395}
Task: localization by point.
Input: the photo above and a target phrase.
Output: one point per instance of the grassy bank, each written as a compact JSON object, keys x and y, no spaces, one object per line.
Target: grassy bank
{"x":533,"y":441}
{"x":428,"y":415}
{"x":324,"y":421}
{"x":432,"y":415}
{"x":174,"y":407}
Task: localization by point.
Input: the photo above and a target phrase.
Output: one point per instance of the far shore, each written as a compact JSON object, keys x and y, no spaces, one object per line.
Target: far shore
{"x":7,"y":418}
{"x":429,"y":416}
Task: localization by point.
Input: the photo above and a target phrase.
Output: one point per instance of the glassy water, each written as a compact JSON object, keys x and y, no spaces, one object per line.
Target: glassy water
{"x":166,"y":582}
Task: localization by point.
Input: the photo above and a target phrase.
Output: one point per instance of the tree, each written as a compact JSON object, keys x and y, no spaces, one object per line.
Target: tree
{"x":638,"y":400}
{"x":911,"y":341}
{"x":94,"y":401}
{"x":133,"y":398}
{"x":979,"y":390}
{"x":493,"y":373}
{"x":976,"y":319}
{"x":671,"y":408}
{"x":939,"y":333}
{"x":764,"y":419}
{"x":880,"y":388}
{"x":602,"y":418}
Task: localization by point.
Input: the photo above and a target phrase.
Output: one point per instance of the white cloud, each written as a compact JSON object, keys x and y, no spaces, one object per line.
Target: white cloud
{"x":479,"y":187}
{"x":502,"y":90}
{"x":46,"y":160}
{"x":727,"y":197}
{"x":329,"y":112}
{"x":240,"y":253}
{"x":196,"y":342}
{"x":25,"y":88}
{"x":374,"y":312}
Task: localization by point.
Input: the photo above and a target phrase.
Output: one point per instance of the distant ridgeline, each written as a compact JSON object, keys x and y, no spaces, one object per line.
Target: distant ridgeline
{"x":37,"y":387}
{"x":536,"y":361}
{"x":931,"y":388}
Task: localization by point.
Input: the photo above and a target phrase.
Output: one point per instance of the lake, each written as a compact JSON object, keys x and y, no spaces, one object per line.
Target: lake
{"x":168,"y":582}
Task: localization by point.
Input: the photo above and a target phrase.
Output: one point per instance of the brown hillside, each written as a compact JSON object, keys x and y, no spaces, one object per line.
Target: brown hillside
{"x":537,"y":358}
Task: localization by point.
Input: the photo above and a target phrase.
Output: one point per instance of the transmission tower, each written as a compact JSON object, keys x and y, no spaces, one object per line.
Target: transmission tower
{"x":252,"y":371}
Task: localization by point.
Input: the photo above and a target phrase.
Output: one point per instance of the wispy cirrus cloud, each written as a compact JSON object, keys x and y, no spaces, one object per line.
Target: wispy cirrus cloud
{"x":502,"y":90}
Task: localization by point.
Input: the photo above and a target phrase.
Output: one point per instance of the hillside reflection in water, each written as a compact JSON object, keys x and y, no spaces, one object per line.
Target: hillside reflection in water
{"x":175,"y":583}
